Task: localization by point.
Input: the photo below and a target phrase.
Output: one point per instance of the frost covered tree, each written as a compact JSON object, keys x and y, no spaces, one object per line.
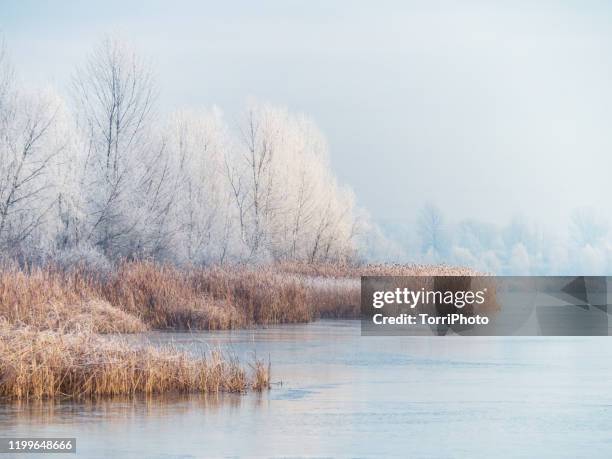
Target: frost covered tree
{"x":289,"y":203}
{"x":125,"y":169}
{"x":253,"y":177}
{"x":203,"y":212}
{"x":432,"y":232}
{"x":35,"y":145}
{"x":587,"y":227}
{"x":107,"y":178}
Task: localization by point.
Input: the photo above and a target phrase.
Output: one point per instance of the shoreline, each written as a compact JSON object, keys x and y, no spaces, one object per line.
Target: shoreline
{"x":52,"y":323}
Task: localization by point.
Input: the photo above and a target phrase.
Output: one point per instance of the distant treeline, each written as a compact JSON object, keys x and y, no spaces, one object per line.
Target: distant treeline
{"x":520,"y":247}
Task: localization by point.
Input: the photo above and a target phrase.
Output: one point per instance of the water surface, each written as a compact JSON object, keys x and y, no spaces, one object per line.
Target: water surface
{"x":338,"y":394}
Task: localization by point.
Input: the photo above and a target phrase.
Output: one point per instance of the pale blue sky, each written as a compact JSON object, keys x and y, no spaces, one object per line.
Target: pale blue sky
{"x":489,"y":109}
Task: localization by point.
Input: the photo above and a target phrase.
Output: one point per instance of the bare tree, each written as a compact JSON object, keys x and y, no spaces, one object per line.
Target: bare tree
{"x":290,"y":205}
{"x":431,"y":231}
{"x":6,"y":81}
{"x":115,"y":96}
{"x":203,"y":210}
{"x":587,"y":227}
{"x":29,"y":148}
{"x":107,"y":181}
{"x":258,"y":136}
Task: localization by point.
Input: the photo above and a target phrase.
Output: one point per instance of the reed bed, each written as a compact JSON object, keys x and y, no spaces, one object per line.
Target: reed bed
{"x":205,"y":298}
{"x":37,"y":365}
{"x":50,"y":299}
{"x":335,"y":288}
{"x":52,"y":322}
{"x":165,"y":297}
{"x":145,"y":295}
{"x":347,"y":270}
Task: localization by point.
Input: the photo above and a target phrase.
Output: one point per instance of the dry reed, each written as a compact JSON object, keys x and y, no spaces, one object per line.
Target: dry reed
{"x":141,"y":295}
{"x":46,"y":364}
{"x":51,"y":321}
{"x":347,"y":270}
{"x":50,"y":299}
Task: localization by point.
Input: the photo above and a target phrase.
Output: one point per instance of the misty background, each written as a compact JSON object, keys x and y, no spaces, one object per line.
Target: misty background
{"x":473,"y":132}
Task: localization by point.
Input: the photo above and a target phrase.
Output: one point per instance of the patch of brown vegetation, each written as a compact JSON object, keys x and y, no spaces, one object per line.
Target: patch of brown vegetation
{"x":141,"y":295}
{"x":347,"y":270}
{"x":50,"y":299}
{"x":46,"y":364}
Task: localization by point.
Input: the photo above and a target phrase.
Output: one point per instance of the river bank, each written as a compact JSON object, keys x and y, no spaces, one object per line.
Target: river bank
{"x":53,"y":322}
{"x":138,"y":296}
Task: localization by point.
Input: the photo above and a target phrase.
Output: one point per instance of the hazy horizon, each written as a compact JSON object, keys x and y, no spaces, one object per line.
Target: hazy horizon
{"x":489,"y":111}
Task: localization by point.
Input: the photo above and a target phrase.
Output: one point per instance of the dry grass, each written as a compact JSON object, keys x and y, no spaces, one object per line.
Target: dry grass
{"x":335,"y":298}
{"x":51,"y":321}
{"x":263,"y":296}
{"x":166,"y":297}
{"x":335,"y":289}
{"x":261,"y":375}
{"x":46,"y":364}
{"x":49,"y":299}
{"x":141,"y":295}
{"x":345,"y":270}
{"x":205,"y":299}
{"x":96,"y":316}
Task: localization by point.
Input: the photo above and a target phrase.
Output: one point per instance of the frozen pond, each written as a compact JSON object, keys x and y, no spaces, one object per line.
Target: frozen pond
{"x":343,"y":395}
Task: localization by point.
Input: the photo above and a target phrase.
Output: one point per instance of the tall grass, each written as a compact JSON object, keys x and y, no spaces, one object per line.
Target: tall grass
{"x":141,"y":295}
{"x":347,"y":270}
{"x":46,"y":364}
{"x":50,"y":299}
{"x":205,"y":298}
{"x":51,"y":321}
{"x":166,"y":297}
